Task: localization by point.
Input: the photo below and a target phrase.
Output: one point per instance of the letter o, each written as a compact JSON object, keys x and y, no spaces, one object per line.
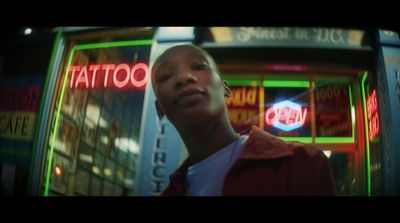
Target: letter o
{"x":146,"y":74}
{"x":337,"y":92}
{"x":268,"y":120}
{"x":123,"y":83}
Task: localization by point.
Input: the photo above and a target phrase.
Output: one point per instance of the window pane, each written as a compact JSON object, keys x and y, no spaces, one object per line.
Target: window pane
{"x":243,"y":107}
{"x":82,"y":182}
{"x":333,"y":111}
{"x":343,"y":168}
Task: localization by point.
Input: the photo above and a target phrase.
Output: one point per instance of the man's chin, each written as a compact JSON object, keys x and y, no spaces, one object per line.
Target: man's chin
{"x":191,"y":108}
{"x":193,"y":116}
{"x":193,"y":113}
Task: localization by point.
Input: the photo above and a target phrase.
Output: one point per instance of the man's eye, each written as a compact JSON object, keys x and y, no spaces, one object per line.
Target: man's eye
{"x":163,"y":77}
{"x":200,"y":67}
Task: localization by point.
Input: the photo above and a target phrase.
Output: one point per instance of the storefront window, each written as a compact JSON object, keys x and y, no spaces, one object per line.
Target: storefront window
{"x":342,"y":165}
{"x":309,"y":110}
{"x":98,"y":125}
{"x":95,"y":186}
{"x":244,"y":104}
{"x":82,"y":182}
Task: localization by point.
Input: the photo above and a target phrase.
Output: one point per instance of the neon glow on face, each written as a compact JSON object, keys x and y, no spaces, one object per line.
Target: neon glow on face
{"x":285,"y":115}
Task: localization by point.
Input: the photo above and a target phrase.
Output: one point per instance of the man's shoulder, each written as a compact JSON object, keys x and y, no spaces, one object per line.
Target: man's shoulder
{"x":265,"y":145}
{"x":305,"y":151}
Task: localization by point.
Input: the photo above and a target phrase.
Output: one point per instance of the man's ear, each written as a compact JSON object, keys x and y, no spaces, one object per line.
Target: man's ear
{"x":160,"y":112}
{"x":227,"y":90}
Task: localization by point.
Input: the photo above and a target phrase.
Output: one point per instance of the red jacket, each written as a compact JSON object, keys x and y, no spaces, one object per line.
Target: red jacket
{"x":269,"y":166}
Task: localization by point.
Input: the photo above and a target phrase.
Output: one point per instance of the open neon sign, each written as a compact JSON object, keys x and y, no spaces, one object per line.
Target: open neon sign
{"x":109,"y":75}
{"x":286,"y":116}
{"x":372,"y":112}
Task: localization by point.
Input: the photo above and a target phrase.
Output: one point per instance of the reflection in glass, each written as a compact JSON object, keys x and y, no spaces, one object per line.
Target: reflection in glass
{"x":342,"y":165}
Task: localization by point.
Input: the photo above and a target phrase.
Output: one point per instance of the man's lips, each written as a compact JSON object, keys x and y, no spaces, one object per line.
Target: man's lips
{"x":188,"y":92}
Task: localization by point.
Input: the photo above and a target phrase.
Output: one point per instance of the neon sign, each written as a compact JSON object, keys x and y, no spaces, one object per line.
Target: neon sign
{"x":108,"y":75}
{"x":286,"y":116}
{"x":372,"y":112}
{"x":242,"y":96}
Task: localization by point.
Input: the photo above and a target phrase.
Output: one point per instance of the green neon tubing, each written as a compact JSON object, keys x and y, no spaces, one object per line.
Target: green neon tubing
{"x":49,"y":166}
{"x":300,"y":139}
{"x":351,"y":111}
{"x":275,"y":83}
{"x":113,"y":44}
{"x":42,"y":101}
{"x":364,"y":77}
{"x":243,"y":83}
{"x":334,"y":140}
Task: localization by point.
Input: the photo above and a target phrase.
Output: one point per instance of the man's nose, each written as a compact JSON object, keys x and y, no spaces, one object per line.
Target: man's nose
{"x":184,"y":77}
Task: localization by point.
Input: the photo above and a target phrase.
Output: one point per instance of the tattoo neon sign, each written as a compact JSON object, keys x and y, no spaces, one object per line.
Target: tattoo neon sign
{"x":109,"y":75}
{"x":372,"y":112}
{"x":286,"y":116}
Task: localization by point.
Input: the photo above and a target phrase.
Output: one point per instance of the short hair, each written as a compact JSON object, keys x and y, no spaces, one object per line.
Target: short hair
{"x":213,"y":65}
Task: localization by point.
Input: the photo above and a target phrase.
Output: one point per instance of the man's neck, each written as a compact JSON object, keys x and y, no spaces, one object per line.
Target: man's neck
{"x":203,"y":141}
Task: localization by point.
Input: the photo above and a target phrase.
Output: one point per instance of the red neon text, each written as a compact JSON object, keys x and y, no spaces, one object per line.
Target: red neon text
{"x":286,"y":116}
{"x":109,"y":75}
{"x":372,"y":114}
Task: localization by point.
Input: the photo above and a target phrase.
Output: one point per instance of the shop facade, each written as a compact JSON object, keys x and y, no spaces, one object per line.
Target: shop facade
{"x":98,"y":132}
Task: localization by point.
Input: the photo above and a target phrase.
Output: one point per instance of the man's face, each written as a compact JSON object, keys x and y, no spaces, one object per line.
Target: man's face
{"x":187,"y":86}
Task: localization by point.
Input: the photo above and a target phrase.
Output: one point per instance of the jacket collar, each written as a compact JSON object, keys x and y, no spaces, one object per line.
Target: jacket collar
{"x":260,"y":145}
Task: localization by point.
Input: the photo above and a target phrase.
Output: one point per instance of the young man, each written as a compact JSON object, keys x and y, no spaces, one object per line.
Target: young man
{"x":190,"y":93}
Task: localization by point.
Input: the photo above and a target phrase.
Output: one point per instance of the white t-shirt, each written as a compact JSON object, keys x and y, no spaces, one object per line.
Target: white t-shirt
{"x":206,"y":178}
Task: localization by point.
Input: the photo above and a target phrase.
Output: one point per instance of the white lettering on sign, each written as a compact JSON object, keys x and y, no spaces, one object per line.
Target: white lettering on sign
{"x":327,"y":93}
{"x":158,"y":172}
{"x":325,"y":35}
{"x":246,"y":33}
